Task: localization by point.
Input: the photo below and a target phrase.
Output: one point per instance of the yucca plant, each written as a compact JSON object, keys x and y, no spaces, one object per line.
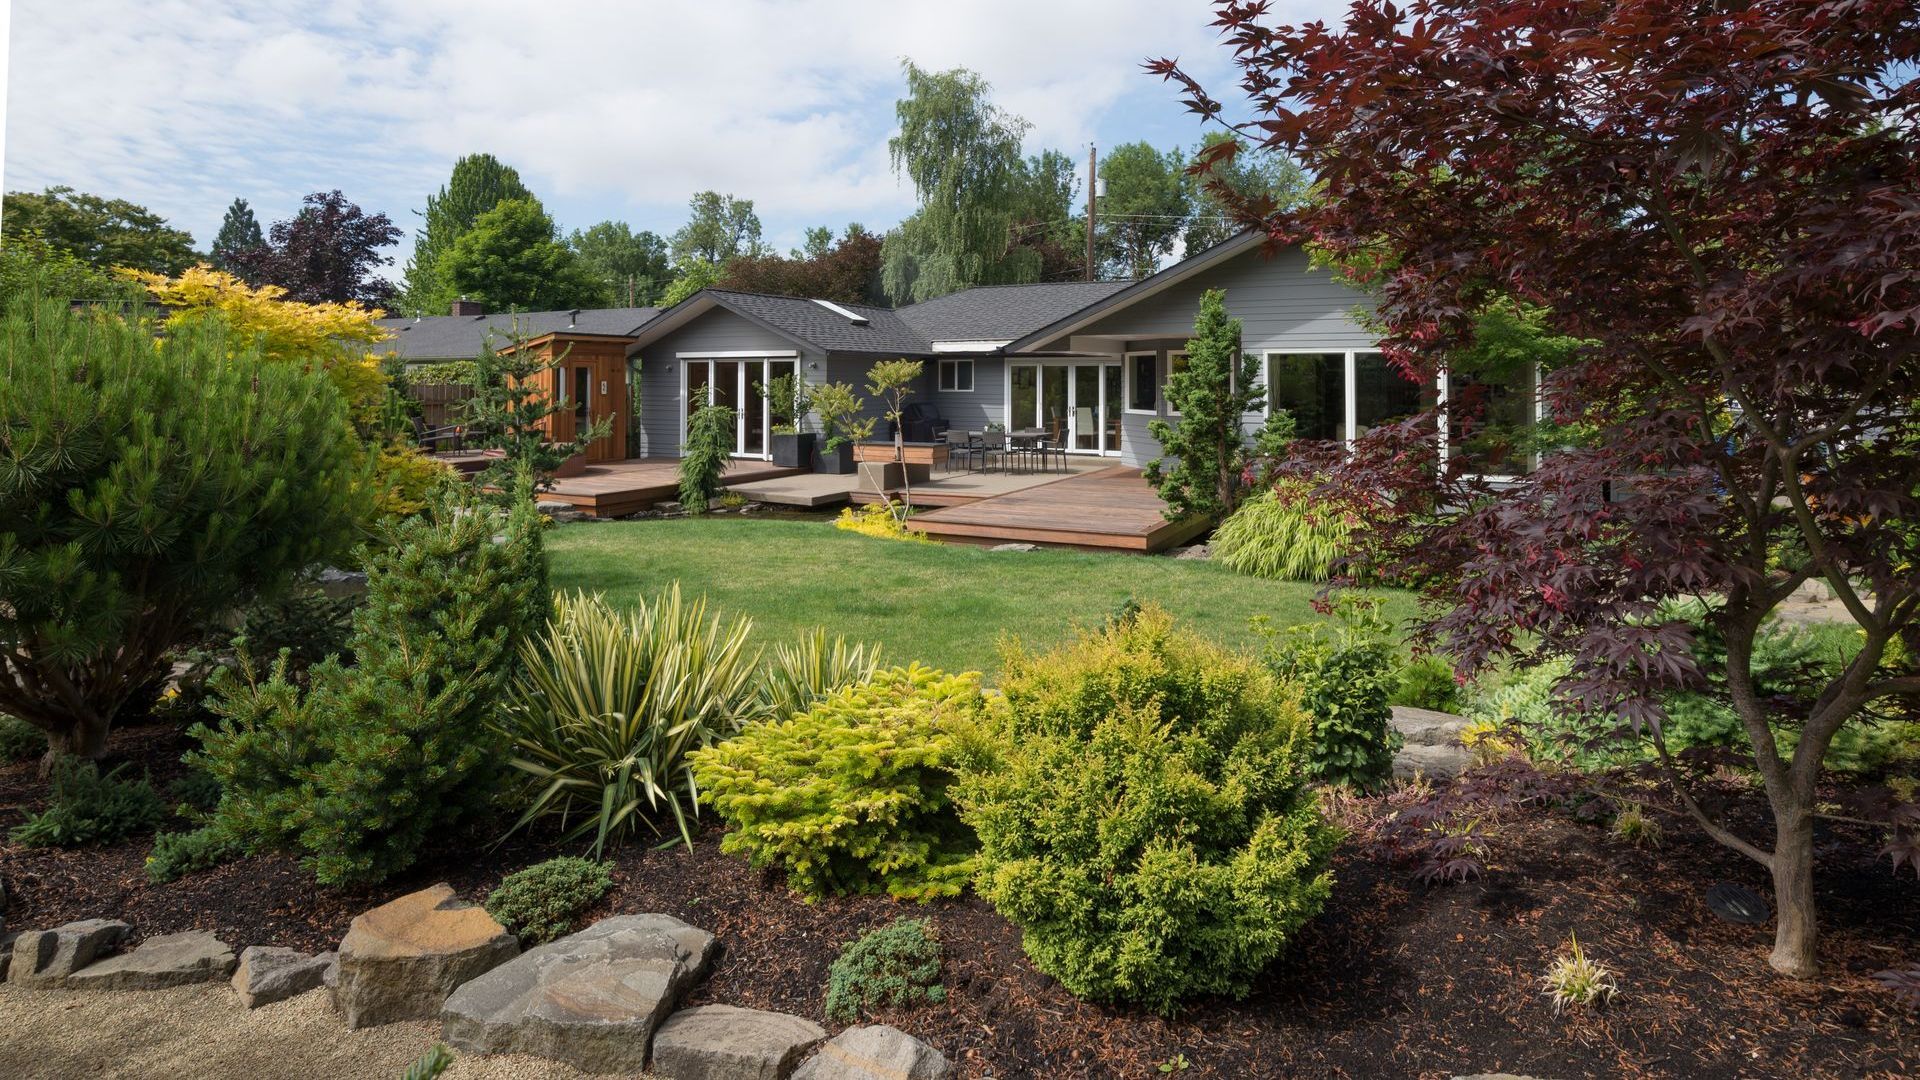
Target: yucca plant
{"x":1575,"y":980}
{"x":1280,"y":534}
{"x":810,"y":669}
{"x":611,"y":703}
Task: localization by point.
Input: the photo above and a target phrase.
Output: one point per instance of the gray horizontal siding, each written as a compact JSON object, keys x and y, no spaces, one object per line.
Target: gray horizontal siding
{"x":662,"y":405}
{"x":1281,"y":303}
{"x":986,"y":404}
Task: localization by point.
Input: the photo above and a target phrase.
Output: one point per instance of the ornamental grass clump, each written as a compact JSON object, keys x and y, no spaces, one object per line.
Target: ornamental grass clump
{"x":609,"y":705}
{"x":1575,"y":980}
{"x":87,"y":806}
{"x":810,"y":669}
{"x":851,"y":795}
{"x":1282,"y":534}
{"x":1144,"y":816}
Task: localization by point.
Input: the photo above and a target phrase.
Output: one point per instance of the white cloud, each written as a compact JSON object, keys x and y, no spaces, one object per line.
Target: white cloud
{"x":615,"y":109}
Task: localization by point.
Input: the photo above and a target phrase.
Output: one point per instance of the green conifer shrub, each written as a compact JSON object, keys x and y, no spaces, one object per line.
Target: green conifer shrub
{"x":19,"y":739}
{"x":177,"y":854}
{"x":361,"y":768}
{"x":1204,"y":459}
{"x":1144,"y":815}
{"x":146,"y":487}
{"x":544,"y":902}
{"x":851,"y":795}
{"x":87,"y":806}
{"x":894,"y":967}
{"x":703,"y":461}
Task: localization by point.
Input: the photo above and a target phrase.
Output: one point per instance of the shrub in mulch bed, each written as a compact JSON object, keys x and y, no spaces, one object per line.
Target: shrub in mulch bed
{"x":1394,"y":978}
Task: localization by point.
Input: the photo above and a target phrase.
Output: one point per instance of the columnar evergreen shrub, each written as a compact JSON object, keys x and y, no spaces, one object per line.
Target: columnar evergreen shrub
{"x":1345,"y":679}
{"x":1205,"y":464}
{"x":87,"y":806}
{"x":544,"y":902}
{"x":896,"y":966}
{"x":1144,"y":816}
{"x":851,"y":796}
{"x":370,"y":761}
{"x":610,"y":703}
{"x":703,"y":461}
{"x":147,"y":486}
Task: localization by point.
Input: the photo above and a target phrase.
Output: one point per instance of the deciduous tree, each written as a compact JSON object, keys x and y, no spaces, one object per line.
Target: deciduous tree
{"x":101,"y":232}
{"x":325,"y":254}
{"x":721,"y":227}
{"x":848,"y":272}
{"x":1245,"y":177}
{"x":1144,"y":210}
{"x":631,"y":265}
{"x":513,"y":258}
{"x":479,"y":183}
{"x":1720,"y":198}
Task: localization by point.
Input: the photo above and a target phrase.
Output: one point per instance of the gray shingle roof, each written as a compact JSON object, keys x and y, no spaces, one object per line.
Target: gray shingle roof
{"x":823,"y":328}
{"x":1003,"y":312}
{"x":460,"y":337}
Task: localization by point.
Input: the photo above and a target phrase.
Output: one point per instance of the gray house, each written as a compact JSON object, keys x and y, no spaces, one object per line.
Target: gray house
{"x":1086,"y":362}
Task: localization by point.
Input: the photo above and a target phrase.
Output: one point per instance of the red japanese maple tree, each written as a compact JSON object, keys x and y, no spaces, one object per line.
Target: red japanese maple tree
{"x":1724,"y":199}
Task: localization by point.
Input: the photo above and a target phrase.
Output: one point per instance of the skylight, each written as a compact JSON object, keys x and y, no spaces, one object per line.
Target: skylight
{"x":853,"y":317}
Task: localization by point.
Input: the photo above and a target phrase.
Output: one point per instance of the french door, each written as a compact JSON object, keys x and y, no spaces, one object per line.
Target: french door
{"x":735,"y":384}
{"x":1077,"y":404}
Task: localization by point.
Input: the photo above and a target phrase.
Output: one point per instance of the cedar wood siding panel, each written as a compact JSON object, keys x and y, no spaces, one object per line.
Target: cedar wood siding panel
{"x":662,"y":406}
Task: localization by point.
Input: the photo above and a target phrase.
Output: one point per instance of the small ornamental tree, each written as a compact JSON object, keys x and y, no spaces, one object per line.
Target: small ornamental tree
{"x":703,"y":462}
{"x":147,"y":486}
{"x":1212,"y":397}
{"x":892,"y":382}
{"x":511,"y":410}
{"x":1720,"y":199}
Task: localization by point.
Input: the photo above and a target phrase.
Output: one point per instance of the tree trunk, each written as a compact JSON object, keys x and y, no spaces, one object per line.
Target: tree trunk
{"x":86,"y":738}
{"x":1796,"y":926}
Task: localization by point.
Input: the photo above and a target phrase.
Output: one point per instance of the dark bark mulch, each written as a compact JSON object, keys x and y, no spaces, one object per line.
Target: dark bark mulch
{"x":1394,"y":979}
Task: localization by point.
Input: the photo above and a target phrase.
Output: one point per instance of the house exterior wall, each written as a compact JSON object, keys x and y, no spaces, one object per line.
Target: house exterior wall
{"x":662,"y":371}
{"x":972,"y":410}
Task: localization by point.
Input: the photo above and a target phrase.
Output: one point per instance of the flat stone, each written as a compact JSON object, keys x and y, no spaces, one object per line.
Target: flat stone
{"x":45,"y":958}
{"x":874,"y":1052}
{"x":722,"y":1042}
{"x":268,"y":974}
{"x":195,"y":956}
{"x":1014,"y":547}
{"x":401,"y":960}
{"x":1433,"y":746}
{"x":1194,"y":551}
{"x":591,"y":999}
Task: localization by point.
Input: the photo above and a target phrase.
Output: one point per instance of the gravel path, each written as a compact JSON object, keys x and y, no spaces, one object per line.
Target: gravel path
{"x":203,"y":1032}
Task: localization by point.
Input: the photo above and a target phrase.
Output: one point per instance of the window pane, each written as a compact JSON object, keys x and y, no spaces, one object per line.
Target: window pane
{"x":963,"y":375}
{"x":1026,"y":397}
{"x":1146,"y":390}
{"x":1490,"y":419}
{"x":1382,"y":394}
{"x":1312,"y":388}
{"x":1053,"y":398}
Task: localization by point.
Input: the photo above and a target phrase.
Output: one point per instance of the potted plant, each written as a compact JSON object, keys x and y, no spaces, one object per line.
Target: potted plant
{"x":838,"y":408}
{"x":788,"y":402}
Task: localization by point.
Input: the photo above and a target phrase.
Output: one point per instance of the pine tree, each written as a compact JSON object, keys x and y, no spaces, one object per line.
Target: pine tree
{"x":1213,"y":395}
{"x":239,"y":232}
{"x":478,"y":184}
{"x":146,"y":487}
{"x":510,"y":411}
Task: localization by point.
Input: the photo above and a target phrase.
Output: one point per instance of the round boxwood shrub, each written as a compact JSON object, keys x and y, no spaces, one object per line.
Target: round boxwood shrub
{"x":1143,"y":814}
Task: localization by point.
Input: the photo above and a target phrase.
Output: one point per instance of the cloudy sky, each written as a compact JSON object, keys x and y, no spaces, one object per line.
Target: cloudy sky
{"x":609,"y":110}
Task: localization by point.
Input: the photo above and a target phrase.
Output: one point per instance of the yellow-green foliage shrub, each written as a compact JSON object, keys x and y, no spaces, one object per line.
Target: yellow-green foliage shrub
{"x":851,"y":796}
{"x":878,"y":520}
{"x":1143,"y":814}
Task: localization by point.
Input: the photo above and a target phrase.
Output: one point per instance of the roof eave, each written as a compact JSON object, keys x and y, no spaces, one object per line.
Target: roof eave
{"x":1140,"y":290}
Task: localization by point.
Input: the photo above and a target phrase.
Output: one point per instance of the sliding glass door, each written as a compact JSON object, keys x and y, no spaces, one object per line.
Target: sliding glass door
{"x":1076,"y":404}
{"x":737,"y":385}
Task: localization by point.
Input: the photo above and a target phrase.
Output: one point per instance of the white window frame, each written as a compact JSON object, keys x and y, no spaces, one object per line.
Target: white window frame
{"x":765,"y":358}
{"x":1158,"y":386}
{"x":953,"y":367}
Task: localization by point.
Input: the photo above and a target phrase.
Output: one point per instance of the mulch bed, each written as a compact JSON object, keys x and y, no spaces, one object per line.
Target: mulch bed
{"x":1394,"y":979}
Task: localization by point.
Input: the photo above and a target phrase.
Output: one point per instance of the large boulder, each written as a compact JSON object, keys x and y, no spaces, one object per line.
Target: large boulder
{"x":1433,"y":743}
{"x":45,"y":958}
{"x":401,"y":960}
{"x":722,"y":1042}
{"x":269,"y":973}
{"x":591,"y":999}
{"x":195,"y":956}
{"x":875,"y":1052}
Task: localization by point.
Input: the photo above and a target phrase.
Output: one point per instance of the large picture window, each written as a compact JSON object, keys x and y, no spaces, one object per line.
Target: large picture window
{"x":1490,"y":418}
{"x":1143,"y":386}
{"x":956,"y":375}
{"x":1382,"y":394}
{"x":1312,"y":388}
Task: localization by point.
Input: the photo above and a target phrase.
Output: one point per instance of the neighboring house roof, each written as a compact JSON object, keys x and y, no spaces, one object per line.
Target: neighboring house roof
{"x":461,"y":337}
{"x":1000,"y":313}
{"x":1134,"y":291}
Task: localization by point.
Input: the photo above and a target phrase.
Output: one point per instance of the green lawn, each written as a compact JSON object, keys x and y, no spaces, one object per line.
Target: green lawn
{"x":944,"y":605}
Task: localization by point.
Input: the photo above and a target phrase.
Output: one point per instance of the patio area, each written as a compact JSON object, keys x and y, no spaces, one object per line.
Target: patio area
{"x":617,"y":488}
{"x":1102,"y":508}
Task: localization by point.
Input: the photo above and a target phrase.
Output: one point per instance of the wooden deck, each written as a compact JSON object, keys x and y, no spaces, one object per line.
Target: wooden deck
{"x":615,"y":488}
{"x":1110,"y":509}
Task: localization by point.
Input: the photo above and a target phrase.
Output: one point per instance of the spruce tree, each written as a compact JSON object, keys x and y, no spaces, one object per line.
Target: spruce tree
{"x":239,"y":233}
{"x":510,"y":411}
{"x":478,"y":184}
{"x":146,"y":488}
{"x":1212,"y":396}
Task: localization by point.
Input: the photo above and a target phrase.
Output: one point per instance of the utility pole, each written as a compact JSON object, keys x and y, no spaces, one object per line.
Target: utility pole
{"x":1093,"y":182}
{"x":629,"y":290}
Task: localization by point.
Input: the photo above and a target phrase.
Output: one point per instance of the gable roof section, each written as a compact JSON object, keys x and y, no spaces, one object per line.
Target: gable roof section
{"x":822,"y":327}
{"x":461,"y":337}
{"x":1139,"y":290}
{"x":999,"y":313}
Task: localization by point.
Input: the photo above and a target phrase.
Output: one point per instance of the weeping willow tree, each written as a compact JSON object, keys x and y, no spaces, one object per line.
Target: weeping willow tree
{"x":962,"y":154}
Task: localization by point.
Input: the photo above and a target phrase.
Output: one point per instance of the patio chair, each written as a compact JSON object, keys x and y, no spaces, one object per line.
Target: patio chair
{"x":994,"y":443}
{"x":962,"y":445}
